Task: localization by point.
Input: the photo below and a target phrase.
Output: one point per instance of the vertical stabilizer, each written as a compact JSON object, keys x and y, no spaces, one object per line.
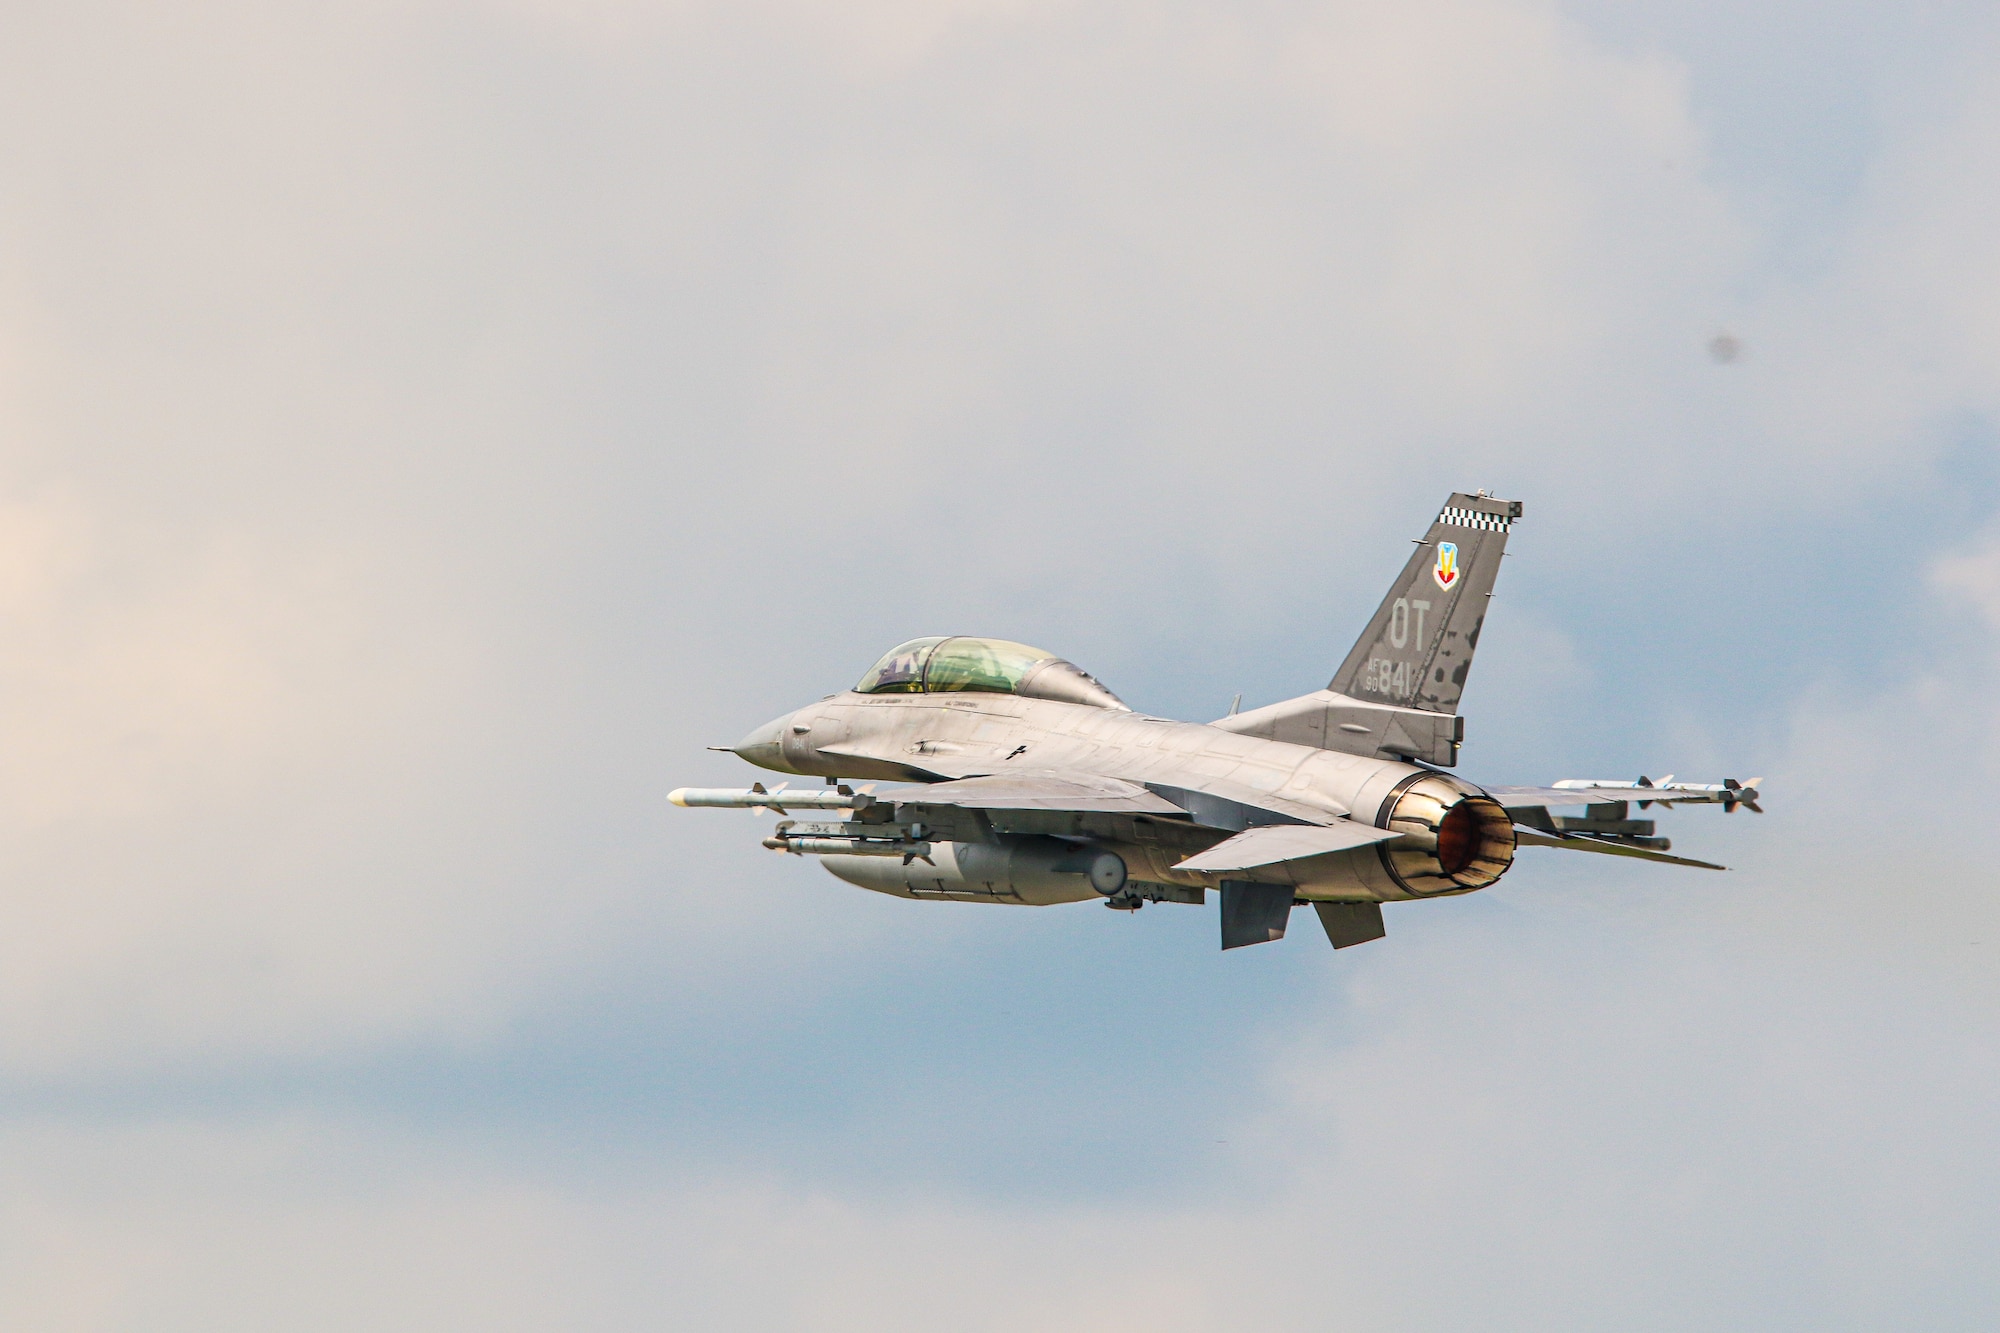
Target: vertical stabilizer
{"x":1418,"y":647}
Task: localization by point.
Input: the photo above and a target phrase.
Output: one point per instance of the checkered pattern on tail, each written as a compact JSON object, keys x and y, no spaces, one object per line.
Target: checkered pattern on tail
{"x":1455,"y":517}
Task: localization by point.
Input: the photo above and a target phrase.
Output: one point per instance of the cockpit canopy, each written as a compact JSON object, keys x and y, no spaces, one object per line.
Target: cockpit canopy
{"x":993,"y":666}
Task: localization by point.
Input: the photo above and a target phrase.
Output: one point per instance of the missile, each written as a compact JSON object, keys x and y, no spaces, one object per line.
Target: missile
{"x":753,"y":798}
{"x":850,"y":847}
{"x":1728,"y":791}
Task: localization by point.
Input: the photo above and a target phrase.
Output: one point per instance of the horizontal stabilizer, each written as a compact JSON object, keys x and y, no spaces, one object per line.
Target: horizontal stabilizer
{"x":1275,"y":843}
{"x":1528,"y":839}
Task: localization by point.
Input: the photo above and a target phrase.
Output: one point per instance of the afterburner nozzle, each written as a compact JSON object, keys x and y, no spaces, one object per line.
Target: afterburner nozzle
{"x":752,"y":798}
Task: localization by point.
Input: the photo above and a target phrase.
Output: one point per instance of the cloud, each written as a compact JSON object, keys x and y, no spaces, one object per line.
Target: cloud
{"x":425,"y":428}
{"x":382,"y":450}
{"x":1502,"y":1121}
{"x":1973,"y":578}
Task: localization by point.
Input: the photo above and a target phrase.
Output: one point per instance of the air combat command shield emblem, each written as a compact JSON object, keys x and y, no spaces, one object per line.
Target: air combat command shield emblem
{"x":1446,"y":569}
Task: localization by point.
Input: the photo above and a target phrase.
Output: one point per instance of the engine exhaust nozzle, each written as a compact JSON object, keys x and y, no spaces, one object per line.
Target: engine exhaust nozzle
{"x":1455,"y":839}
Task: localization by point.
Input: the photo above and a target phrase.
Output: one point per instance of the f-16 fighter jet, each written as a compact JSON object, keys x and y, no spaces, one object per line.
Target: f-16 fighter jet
{"x":981,"y":770}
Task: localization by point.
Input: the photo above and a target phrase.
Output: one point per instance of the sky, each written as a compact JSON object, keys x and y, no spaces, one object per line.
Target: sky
{"x":425,"y":427}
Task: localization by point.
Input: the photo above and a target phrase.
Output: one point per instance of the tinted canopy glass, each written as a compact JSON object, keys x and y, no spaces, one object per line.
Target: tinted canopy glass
{"x":901,"y":670}
{"x":992,"y":666}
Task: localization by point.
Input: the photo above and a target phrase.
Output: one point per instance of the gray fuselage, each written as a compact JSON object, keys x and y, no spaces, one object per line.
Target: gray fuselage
{"x":930,"y":737}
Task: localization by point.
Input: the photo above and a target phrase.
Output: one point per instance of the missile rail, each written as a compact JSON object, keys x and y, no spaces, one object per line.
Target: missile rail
{"x":851,"y":838}
{"x":868,"y":834}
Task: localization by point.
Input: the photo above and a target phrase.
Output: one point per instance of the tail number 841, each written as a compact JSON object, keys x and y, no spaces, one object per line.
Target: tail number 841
{"x":1385,"y":675}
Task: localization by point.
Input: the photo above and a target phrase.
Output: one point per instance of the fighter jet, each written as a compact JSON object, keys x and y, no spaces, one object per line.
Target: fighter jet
{"x":982,"y":770}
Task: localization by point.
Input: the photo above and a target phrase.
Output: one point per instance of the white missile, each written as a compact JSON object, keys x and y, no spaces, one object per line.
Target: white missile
{"x":1728,"y":793}
{"x":753,"y":798}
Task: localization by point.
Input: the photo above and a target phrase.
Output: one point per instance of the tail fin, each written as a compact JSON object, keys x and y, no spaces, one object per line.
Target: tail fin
{"x":1396,"y":696}
{"x":1416,"y":651}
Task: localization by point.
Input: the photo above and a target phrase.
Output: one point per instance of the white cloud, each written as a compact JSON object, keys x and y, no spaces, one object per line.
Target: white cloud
{"x":1973,"y":578}
{"x":330,"y":484}
{"x":416,"y":426}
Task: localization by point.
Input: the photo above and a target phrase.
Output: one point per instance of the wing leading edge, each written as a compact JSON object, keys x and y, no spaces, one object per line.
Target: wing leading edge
{"x":1078,"y":792}
{"x":1581,"y":843}
{"x":1215,"y":804}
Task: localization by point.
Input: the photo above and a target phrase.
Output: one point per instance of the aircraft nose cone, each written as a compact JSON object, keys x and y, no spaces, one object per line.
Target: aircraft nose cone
{"x":764,"y":748}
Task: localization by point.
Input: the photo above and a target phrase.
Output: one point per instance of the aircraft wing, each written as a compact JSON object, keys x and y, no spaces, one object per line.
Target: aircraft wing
{"x":1605,"y":829}
{"x":1587,"y":844}
{"x":1270,"y":844}
{"x":1210,"y":802}
{"x":1215,"y":804}
{"x":1034,"y":791}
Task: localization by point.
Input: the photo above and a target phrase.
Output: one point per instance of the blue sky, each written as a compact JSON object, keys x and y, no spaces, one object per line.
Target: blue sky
{"x":423,"y":429}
